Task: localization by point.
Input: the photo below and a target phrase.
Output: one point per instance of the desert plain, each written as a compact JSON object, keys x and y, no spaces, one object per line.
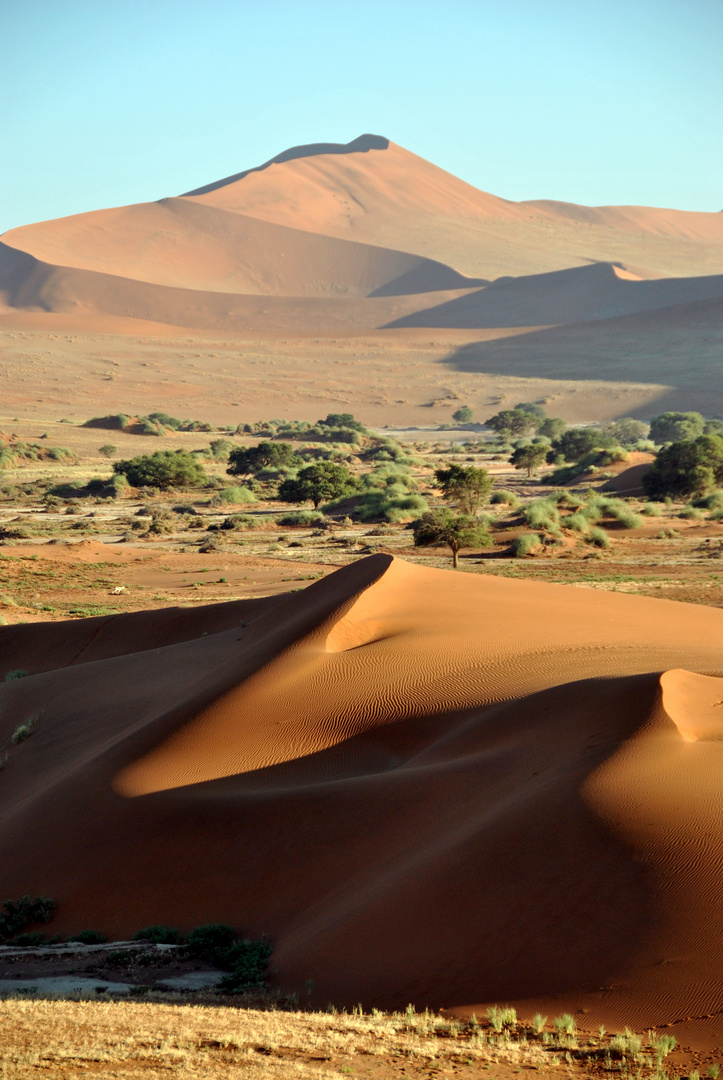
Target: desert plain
{"x":495,"y":787}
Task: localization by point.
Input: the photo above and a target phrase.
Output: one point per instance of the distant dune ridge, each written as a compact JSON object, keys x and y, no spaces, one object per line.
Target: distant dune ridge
{"x":356,"y":237}
{"x":424,"y":786}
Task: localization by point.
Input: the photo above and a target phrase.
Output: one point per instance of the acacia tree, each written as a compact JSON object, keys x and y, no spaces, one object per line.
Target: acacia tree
{"x":444,"y":528}
{"x":245,"y":460}
{"x":466,"y":485}
{"x":317,"y":483}
{"x":164,"y":469}
{"x":529,"y":457}
{"x":517,"y":422}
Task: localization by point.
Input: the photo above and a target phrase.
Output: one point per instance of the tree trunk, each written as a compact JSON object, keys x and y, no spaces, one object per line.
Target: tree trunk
{"x":455,"y":562}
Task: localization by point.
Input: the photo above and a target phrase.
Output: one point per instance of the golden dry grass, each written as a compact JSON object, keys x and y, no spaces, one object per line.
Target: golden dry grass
{"x":61,"y":1038}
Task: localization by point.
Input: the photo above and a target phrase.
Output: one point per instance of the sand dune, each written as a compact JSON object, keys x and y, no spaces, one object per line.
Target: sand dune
{"x":601,"y":291}
{"x":378,"y":192}
{"x":366,"y":220}
{"x":183,"y":244}
{"x":426,"y":786}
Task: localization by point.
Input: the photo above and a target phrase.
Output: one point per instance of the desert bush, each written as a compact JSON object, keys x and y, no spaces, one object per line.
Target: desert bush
{"x":577,"y":522}
{"x":21,"y":733}
{"x":541,"y":514}
{"x":158,"y":935}
{"x":691,"y":513}
{"x":248,"y":963}
{"x":17,"y":673}
{"x":538,"y":1023}
{"x":627,"y":1044}
{"x":598,"y":538}
{"x":714,"y":501}
{"x":236,"y":495}
{"x":509,"y":498}
{"x":651,"y":509}
{"x":300,"y":517}
{"x":15,"y":915}
{"x":672,"y":427}
{"x":28,"y":941}
{"x":689,"y":467}
{"x":525,"y":544}
{"x":318,"y":483}
{"x":89,"y":937}
{"x":237,"y":521}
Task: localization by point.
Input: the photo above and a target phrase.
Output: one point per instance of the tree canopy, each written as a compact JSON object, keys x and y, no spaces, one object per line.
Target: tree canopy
{"x":318,"y":483}
{"x":627,"y":431}
{"x":466,"y":485}
{"x":676,"y":427}
{"x":514,"y":422}
{"x":245,"y":460}
{"x":575,"y":442}
{"x":164,"y":469}
{"x":463,"y":415}
{"x":688,"y":467}
{"x":529,"y":457}
{"x":444,"y":528}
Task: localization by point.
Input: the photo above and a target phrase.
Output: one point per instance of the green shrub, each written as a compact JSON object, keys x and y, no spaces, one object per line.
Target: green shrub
{"x":29,"y":941}
{"x":300,"y":517}
{"x":15,"y":915}
{"x":89,"y":937}
{"x":248,"y":962}
{"x":541,"y":514}
{"x":598,"y":538}
{"x":208,"y":940}
{"x":236,"y":495}
{"x":651,"y":509}
{"x":577,"y":522}
{"x":158,"y":935}
{"x":691,"y":513}
{"x":17,"y":673}
{"x":525,"y":544}
{"x":507,"y":497}
{"x":21,"y":733}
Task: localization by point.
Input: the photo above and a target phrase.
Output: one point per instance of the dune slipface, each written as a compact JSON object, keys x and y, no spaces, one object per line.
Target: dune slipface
{"x":424,"y":786}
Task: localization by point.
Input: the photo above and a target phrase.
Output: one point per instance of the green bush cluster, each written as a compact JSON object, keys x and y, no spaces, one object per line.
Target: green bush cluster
{"x":15,"y":915}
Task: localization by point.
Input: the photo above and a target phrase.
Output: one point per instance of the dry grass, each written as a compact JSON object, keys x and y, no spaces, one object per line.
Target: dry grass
{"x":154,"y":1039}
{"x":71,"y":1038}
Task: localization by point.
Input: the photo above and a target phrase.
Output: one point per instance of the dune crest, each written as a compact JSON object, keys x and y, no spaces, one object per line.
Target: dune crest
{"x":695,"y":704}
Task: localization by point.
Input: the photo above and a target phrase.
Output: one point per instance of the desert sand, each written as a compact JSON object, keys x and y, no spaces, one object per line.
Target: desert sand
{"x":424,"y":786}
{"x":329,"y":244}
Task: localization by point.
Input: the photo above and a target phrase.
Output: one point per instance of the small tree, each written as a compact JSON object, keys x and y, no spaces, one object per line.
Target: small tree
{"x":466,"y":485}
{"x":318,"y":483}
{"x":676,"y":427}
{"x":108,"y":450}
{"x":245,"y":460}
{"x":463,"y":415}
{"x":514,"y":422}
{"x":552,"y":427}
{"x":690,"y":467}
{"x":444,"y":528}
{"x":627,"y":431}
{"x":529,"y":457}
{"x":164,"y":469}
{"x":576,"y":442}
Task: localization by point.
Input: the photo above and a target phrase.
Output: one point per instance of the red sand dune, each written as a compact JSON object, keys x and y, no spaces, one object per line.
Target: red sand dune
{"x":425,"y":786}
{"x":346,"y":238}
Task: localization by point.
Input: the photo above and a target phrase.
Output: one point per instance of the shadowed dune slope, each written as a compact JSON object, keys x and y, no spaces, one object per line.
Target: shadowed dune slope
{"x":425,"y":786}
{"x":602,"y":291}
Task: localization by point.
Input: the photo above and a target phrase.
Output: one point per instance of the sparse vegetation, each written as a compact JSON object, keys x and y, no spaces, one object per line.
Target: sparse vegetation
{"x":455,"y":531}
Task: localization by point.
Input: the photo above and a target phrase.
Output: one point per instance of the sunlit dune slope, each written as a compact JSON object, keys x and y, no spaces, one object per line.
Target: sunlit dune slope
{"x":425,"y":786}
{"x":375,"y":191}
{"x":191,"y":246}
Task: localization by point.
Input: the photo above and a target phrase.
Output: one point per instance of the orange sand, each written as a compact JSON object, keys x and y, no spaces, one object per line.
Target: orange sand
{"x":425,"y":786}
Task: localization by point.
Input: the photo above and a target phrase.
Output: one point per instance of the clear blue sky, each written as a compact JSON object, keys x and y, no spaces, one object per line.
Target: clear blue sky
{"x":107,"y":102}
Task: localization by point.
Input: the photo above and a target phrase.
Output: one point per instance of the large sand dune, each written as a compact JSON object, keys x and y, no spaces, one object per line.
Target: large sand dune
{"x":425,"y":786}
